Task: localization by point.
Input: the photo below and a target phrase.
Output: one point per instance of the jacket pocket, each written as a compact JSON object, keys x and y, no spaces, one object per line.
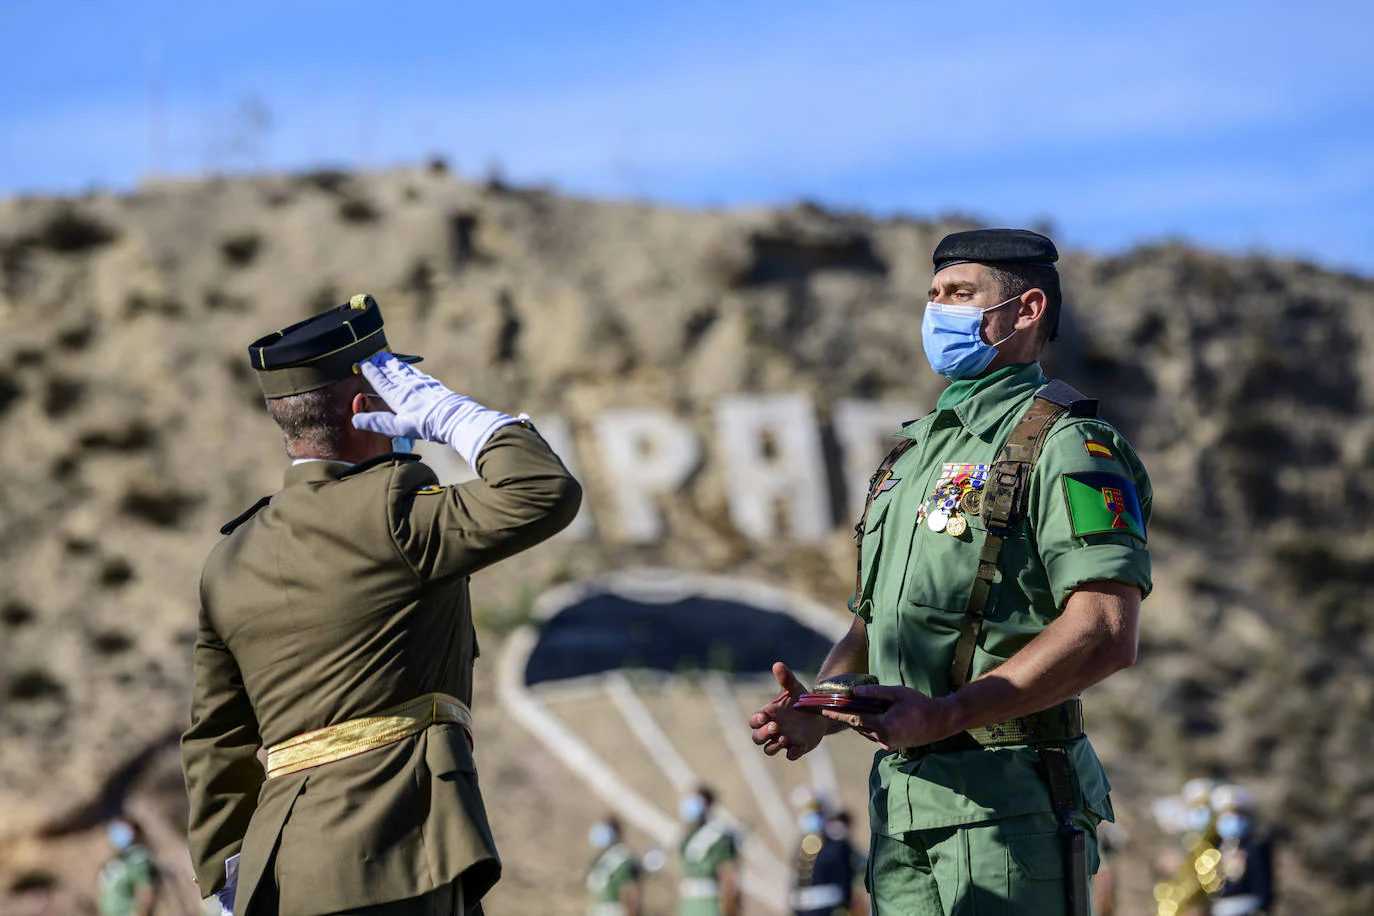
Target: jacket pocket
{"x":868,"y":559}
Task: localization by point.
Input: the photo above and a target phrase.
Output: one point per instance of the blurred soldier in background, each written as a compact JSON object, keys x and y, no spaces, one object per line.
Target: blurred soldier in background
{"x":709,"y":857}
{"x":1002,"y":562}
{"x":336,"y":634}
{"x":1247,"y":859}
{"x":827,"y":867}
{"x":613,"y":878}
{"x":128,"y":881}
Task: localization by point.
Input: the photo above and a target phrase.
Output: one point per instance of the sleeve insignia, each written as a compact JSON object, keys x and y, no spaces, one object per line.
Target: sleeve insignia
{"x":1101,"y":503}
{"x":1098,"y":450}
{"x":430,"y":490}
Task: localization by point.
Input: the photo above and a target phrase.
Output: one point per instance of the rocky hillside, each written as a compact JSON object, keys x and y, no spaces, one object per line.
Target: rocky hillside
{"x":134,"y":427}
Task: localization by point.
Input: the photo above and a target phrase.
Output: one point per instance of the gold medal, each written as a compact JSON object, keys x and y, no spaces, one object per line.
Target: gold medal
{"x":972,"y":502}
{"x":956,"y":526}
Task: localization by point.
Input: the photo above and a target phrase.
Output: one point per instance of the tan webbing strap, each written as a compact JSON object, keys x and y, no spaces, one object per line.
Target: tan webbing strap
{"x":875,"y":484}
{"x":1002,"y":508}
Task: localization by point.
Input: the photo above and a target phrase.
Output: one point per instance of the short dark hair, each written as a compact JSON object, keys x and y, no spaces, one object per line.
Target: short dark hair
{"x":314,"y":424}
{"x":1016,"y":279}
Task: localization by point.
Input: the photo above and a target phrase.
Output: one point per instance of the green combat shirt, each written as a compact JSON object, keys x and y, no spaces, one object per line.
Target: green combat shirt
{"x":121,"y":880}
{"x":915,"y":585}
{"x":610,"y":873}
{"x":704,"y":851}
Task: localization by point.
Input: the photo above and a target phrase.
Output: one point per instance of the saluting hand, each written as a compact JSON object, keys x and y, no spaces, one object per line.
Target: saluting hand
{"x":779,"y":725}
{"x":912,"y":719}
{"x":425,"y":408}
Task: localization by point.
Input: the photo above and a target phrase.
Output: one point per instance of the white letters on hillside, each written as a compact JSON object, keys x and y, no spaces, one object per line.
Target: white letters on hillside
{"x":768,"y":448}
{"x":774,"y":465}
{"x":866,"y":431}
{"x":646,"y":454}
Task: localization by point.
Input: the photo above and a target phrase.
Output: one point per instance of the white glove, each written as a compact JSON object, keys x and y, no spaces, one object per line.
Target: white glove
{"x":425,"y":409}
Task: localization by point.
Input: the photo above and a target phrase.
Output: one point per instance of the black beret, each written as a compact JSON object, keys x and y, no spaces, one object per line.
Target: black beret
{"x":320,"y":350}
{"x":1004,"y":246}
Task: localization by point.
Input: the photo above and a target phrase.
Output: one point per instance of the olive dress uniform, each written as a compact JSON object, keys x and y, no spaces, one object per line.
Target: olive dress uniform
{"x":975,"y":827}
{"x":703,"y":852}
{"x":341,"y":599}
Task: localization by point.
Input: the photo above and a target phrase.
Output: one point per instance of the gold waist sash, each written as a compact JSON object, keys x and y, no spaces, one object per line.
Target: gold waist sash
{"x":358,"y":736}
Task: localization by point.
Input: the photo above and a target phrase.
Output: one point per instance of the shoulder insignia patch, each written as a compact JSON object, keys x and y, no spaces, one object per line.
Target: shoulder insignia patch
{"x":1102,"y":503}
{"x":1098,"y":450}
{"x":430,"y":490}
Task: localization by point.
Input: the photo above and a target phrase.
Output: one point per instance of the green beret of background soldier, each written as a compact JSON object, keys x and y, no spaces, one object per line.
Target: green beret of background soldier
{"x":1002,"y":563}
{"x":337,"y":637}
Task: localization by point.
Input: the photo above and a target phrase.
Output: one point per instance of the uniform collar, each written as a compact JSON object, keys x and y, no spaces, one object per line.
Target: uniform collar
{"x":982,"y":412}
{"x":315,"y":471}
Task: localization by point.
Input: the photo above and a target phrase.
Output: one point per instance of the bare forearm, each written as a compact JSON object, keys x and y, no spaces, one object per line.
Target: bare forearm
{"x":848,"y":656}
{"x":1094,"y":637}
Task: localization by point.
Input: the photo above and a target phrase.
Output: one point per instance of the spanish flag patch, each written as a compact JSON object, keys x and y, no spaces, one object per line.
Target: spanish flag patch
{"x":1098,"y":450}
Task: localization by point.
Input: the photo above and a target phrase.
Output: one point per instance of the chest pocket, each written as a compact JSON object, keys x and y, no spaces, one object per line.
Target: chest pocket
{"x":868,"y":556}
{"x":944,"y":567}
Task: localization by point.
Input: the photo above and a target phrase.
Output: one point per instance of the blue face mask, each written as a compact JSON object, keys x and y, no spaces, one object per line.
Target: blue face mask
{"x":1232,"y":826}
{"x":953,"y":339}
{"x":812,"y":822}
{"x":601,"y":836}
{"x":692,"y":808}
{"x":402,"y":444}
{"x":121,"y":835}
{"x":1199,"y":818}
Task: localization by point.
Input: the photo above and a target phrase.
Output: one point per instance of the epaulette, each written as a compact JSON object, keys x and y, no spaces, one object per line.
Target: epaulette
{"x":1062,"y":394}
{"x":371,"y":463}
{"x":229,"y":526}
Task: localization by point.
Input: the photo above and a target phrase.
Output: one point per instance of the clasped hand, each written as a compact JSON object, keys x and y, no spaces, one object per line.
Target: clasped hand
{"x":912,"y":719}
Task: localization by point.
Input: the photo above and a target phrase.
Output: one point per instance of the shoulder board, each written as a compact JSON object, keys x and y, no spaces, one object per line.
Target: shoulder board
{"x":1063,"y":394}
{"x":371,"y":463}
{"x":229,"y":526}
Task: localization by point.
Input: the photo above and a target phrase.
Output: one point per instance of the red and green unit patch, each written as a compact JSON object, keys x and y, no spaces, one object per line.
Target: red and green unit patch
{"x":1102,"y":503}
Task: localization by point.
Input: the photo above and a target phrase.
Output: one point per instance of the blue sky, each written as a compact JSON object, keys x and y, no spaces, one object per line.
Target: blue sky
{"x":1240,"y":126}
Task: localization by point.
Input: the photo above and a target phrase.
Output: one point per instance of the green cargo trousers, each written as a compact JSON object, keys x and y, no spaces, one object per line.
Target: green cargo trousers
{"x":1008,"y":867}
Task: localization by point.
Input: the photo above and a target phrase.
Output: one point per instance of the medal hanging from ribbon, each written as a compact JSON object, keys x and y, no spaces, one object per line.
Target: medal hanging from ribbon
{"x":957,"y":494}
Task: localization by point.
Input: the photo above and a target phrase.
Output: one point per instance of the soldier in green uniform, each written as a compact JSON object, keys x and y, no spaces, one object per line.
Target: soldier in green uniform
{"x":1002,"y":565}
{"x":613,"y":878}
{"x":709,"y":858}
{"x":336,"y":637}
{"x":128,"y":882}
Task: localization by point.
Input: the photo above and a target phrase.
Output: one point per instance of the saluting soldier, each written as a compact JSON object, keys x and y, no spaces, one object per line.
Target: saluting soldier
{"x":336,"y":636}
{"x":1001,"y":568}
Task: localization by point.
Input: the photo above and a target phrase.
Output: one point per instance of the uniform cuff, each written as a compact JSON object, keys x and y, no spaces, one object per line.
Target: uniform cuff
{"x":1095,"y":563}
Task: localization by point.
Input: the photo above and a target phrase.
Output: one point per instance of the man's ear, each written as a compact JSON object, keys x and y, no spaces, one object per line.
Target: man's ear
{"x":1031,"y":310}
{"x":359,"y":404}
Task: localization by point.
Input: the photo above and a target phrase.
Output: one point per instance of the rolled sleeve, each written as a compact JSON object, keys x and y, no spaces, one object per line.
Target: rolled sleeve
{"x":1125,"y":563}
